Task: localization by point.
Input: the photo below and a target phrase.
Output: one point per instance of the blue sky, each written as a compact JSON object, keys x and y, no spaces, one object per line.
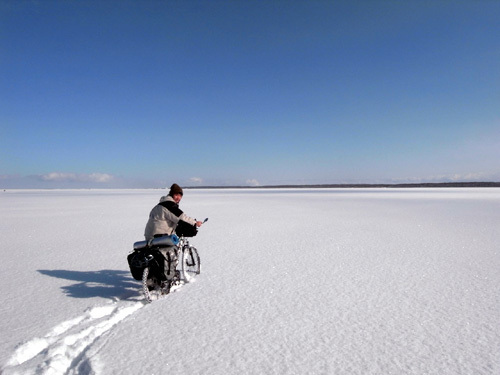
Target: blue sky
{"x":146,"y":93}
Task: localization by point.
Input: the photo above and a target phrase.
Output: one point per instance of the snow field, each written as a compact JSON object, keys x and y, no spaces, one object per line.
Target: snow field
{"x":293,"y":281}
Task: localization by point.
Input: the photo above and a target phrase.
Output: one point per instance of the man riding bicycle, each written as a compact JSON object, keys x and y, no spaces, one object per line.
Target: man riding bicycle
{"x":167,"y":218}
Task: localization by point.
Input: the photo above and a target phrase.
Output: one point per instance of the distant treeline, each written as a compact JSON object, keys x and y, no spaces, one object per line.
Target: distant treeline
{"x":322,"y":186}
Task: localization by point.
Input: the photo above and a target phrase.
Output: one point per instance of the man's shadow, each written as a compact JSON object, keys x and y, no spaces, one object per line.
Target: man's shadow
{"x":113,"y":284}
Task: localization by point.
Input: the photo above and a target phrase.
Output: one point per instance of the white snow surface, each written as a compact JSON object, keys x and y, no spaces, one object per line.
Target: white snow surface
{"x":293,"y":281}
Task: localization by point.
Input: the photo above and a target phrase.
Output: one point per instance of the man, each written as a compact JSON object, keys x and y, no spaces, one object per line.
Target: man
{"x":166,"y":215}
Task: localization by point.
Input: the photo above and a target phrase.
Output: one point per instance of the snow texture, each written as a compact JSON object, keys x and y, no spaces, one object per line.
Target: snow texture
{"x":294,"y":281}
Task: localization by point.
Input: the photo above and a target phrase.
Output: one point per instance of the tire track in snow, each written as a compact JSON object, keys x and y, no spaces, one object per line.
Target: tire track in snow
{"x":64,"y":346}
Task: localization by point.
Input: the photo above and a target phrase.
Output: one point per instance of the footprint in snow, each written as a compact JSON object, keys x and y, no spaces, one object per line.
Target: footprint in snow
{"x":65,"y":344}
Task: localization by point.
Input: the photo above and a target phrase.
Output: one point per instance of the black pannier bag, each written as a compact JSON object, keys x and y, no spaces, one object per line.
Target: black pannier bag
{"x":185,"y":229}
{"x":137,"y":261}
{"x":146,"y":253}
{"x":140,"y":259}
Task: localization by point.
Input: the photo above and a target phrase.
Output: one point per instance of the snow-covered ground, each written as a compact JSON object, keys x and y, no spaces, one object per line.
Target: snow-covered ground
{"x":326,"y":281}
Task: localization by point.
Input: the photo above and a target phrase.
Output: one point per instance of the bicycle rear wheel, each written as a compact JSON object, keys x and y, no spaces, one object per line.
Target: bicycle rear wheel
{"x":190,"y":263}
{"x":151,"y":288}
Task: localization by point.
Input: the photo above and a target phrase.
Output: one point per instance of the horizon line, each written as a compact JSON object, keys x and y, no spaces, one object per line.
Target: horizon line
{"x":297,"y":186}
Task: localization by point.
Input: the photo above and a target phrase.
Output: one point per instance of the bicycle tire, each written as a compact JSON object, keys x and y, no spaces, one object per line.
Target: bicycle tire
{"x":190,"y":263}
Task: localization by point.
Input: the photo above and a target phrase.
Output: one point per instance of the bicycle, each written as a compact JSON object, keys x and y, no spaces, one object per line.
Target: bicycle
{"x":156,"y":264}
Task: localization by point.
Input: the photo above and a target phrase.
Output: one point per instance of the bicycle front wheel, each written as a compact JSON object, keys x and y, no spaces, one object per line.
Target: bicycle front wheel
{"x":190,"y":263}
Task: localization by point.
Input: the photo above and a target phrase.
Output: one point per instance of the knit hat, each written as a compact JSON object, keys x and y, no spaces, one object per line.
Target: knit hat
{"x":175,"y":189}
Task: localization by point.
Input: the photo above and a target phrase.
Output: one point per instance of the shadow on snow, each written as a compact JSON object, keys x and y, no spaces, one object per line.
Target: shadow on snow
{"x":105,"y":283}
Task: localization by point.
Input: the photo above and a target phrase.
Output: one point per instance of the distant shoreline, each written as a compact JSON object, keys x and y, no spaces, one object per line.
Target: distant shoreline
{"x":305,"y":186}
{"x":359,"y":186}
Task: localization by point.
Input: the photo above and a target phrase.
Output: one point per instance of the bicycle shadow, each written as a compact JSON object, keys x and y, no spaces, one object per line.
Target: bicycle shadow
{"x":113,"y":284}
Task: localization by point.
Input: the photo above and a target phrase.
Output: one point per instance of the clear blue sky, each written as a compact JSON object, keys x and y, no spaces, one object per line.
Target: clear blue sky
{"x":146,"y":93}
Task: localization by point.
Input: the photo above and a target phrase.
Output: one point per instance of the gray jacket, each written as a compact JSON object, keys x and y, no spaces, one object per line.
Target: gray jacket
{"x":164,"y":217}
